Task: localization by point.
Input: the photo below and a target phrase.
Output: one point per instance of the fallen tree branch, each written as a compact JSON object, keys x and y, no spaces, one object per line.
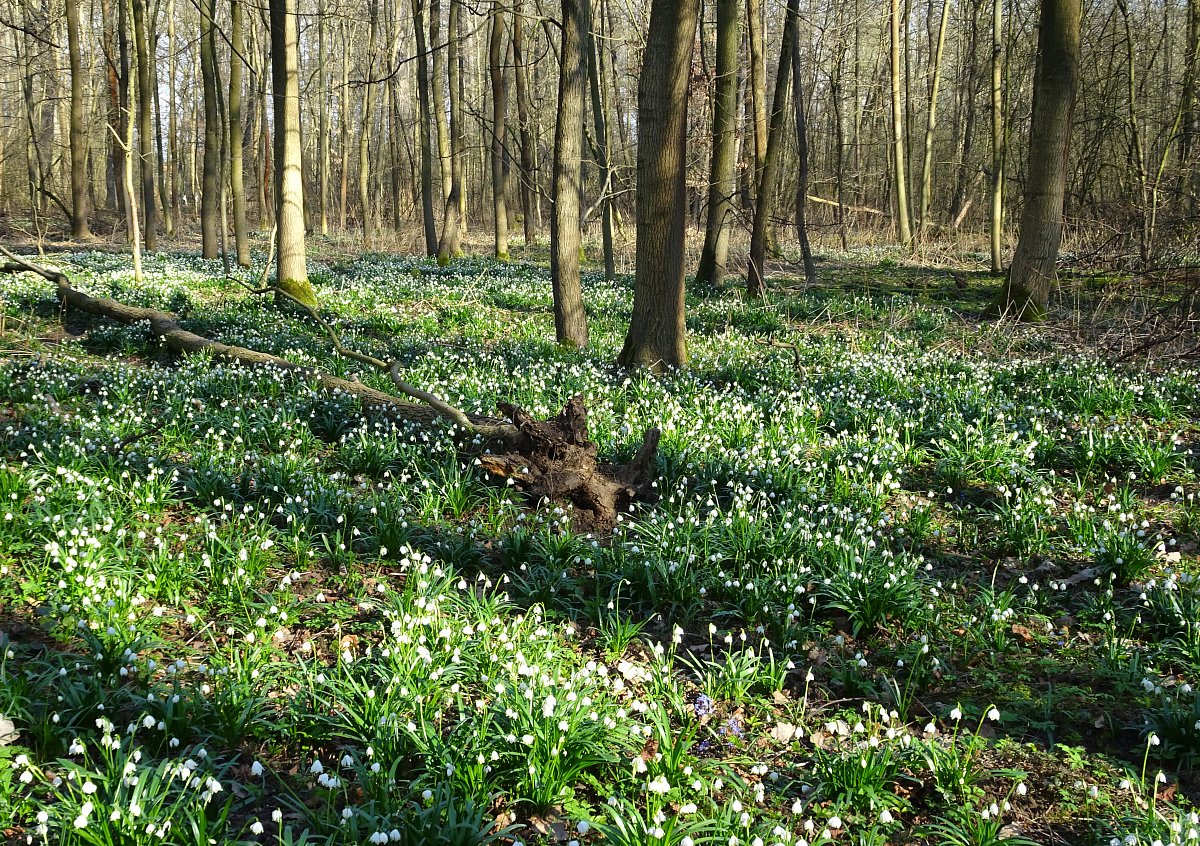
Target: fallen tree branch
{"x":165,"y":325}
{"x":552,"y":459}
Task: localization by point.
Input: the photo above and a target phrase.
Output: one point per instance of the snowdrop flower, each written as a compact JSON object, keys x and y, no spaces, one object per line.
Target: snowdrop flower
{"x":256,"y":769}
{"x":256,"y":827}
{"x":993,"y":714}
{"x":956,"y":714}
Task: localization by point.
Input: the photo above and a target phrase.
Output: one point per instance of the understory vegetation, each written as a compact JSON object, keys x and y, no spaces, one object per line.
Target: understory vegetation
{"x":910,"y":577}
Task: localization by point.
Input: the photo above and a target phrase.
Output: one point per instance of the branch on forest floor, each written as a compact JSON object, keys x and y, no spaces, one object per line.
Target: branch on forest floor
{"x":552,"y":459}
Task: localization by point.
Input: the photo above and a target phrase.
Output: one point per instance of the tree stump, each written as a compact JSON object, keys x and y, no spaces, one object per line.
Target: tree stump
{"x":554,"y":459}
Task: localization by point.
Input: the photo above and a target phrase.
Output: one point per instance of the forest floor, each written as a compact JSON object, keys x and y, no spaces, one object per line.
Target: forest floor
{"x":911,"y":577}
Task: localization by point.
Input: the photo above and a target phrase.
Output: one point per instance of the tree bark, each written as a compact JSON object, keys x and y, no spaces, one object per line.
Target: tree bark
{"x":657,"y":335}
{"x":764,"y":207}
{"x":450,"y":245}
{"x":899,"y":133}
{"x":997,"y":182}
{"x":210,"y":190}
{"x":524,"y":135}
{"x":145,"y":125}
{"x":1026,"y":290}
{"x":570,"y":319}
{"x":364,"y":135}
{"x":722,"y":184}
{"x":931,"y":123}
{"x":424,"y":121}
{"x":499,"y":129}
{"x":810,"y":267}
{"x":438,"y":51}
{"x":601,"y":147}
{"x":237,"y":181}
{"x":79,"y":136}
{"x":322,"y":121}
{"x":292,"y":271}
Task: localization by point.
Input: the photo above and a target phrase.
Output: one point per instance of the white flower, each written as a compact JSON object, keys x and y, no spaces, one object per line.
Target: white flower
{"x":256,"y":827}
{"x":1022,"y":789}
{"x":835,"y":822}
{"x":317,"y":767}
{"x":583,"y":827}
{"x":88,"y":788}
{"x":256,"y":769}
{"x":956,"y":715}
{"x":277,"y":815}
{"x":993,"y":714}
{"x":660,"y":786}
{"x":886,"y":816}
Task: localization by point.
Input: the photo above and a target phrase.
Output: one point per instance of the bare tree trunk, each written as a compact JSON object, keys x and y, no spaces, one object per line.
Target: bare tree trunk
{"x":1026,"y":291}
{"x":164,"y":196}
{"x":657,"y":334}
{"x":524,"y":136}
{"x":931,"y":123}
{"x":570,"y":320}
{"x":450,"y":245}
{"x":899,"y":132}
{"x":210,"y":191}
{"x":145,"y":125}
{"x":79,"y":138}
{"x":131,"y":210}
{"x":764,"y":206}
{"x":810,"y":267}
{"x":237,"y":181}
{"x":722,"y":184}
{"x":438,"y":51}
{"x":292,"y":271}
{"x":364,"y":135}
{"x":344,"y":129}
{"x":322,"y":121}
{"x":499,"y":129}
{"x":601,"y":148}
{"x":172,"y":114}
{"x":758,"y":84}
{"x":426,"y":118}
{"x":997,"y":182}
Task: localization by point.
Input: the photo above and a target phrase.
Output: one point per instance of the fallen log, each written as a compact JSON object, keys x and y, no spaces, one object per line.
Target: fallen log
{"x":552,"y":459}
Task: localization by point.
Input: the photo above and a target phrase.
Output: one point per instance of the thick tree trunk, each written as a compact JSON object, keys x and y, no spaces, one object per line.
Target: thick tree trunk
{"x":172,"y":114}
{"x":931,"y":124}
{"x":237,"y":181}
{"x":758,"y":84}
{"x":79,"y":137}
{"x":322,"y":122}
{"x":145,"y":125}
{"x":810,"y":267}
{"x":425,"y":120}
{"x":764,"y":207}
{"x":524,"y":135}
{"x":657,"y":336}
{"x":364,"y":135}
{"x":210,"y":190}
{"x":164,"y":194}
{"x":601,"y":149}
{"x":438,"y":51}
{"x":131,"y":209}
{"x":344,"y":130}
{"x":1026,"y":290}
{"x":570,"y":320}
{"x":450,"y":245}
{"x":721,"y":181}
{"x":292,"y":271}
{"x":997,"y":182}
{"x":899,"y":132}
{"x":499,"y":129}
